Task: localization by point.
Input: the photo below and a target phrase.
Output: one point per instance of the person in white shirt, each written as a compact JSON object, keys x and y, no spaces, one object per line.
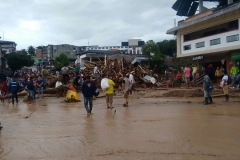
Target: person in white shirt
{"x":225,"y":86}
{"x":95,"y":71}
{"x":131,"y":78}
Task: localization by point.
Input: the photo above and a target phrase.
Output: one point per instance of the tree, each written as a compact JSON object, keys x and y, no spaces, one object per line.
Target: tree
{"x":61,"y":61}
{"x":24,"y":51}
{"x":168,"y":47}
{"x":152,"y":52}
{"x":16,"y":61}
{"x":31,"y":50}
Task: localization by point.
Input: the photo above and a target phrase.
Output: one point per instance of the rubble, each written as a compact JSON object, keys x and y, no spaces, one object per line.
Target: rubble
{"x":117,"y":68}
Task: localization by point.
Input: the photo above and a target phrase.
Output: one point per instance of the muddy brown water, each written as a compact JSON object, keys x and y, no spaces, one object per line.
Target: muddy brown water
{"x":150,"y":128}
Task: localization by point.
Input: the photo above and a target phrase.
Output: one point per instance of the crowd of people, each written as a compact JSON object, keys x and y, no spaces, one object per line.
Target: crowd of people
{"x":35,"y":82}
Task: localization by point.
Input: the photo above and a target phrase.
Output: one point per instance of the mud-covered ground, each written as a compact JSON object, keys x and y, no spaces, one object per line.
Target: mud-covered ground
{"x":152,"y":127}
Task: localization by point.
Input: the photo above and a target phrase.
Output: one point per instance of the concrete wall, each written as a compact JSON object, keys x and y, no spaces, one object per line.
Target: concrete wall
{"x":204,"y":26}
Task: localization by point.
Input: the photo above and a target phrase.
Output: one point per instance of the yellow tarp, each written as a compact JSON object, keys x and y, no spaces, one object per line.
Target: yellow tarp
{"x":72,"y":95}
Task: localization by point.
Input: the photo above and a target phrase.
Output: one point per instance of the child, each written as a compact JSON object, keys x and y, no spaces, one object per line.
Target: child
{"x":179,"y":78}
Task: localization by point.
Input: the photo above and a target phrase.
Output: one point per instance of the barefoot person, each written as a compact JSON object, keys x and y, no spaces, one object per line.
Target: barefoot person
{"x":125,"y":89}
{"x":88,"y":89}
{"x":109,"y":92}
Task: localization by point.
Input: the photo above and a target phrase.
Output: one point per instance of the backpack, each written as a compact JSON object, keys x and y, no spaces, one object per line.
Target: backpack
{"x":229,"y":81}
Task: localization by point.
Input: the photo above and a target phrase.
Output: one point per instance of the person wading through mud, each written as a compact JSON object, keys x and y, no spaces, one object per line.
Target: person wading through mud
{"x":125,"y":89}
{"x":132,"y":81}
{"x":207,"y":92}
{"x":187,"y":74}
{"x":13,"y":88}
{"x":88,"y":90}
{"x":44,"y":76}
{"x":109,"y":92}
{"x":224,"y":84}
{"x":39,"y":86}
{"x":31,"y":89}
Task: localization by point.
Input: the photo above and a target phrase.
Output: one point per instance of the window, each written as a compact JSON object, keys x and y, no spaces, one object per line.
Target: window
{"x":99,"y":47}
{"x":233,"y":38}
{"x":106,"y":47}
{"x":200,"y":44}
{"x":118,"y":47}
{"x":214,"y":42}
{"x":102,"y":47}
{"x":187,"y":47}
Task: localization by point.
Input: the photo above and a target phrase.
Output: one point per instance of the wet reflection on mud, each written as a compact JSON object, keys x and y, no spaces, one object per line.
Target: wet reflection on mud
{"x":148,"y":129}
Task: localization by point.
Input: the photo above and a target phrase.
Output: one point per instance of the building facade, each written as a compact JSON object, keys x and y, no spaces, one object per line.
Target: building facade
{"x":8,"y":46}
{"x":55,"y":50}
{"x":211,"y":37}
{"x":132,"y":46}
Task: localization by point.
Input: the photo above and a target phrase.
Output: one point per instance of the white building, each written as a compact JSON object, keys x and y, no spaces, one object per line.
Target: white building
{"x":132,"y":46}
{"x":211,"y":37}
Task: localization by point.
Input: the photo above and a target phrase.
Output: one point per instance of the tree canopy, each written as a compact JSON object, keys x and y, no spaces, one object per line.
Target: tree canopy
{"x":16,"y":61}
{"x":31,"y":50}
{"x":61,"y":61}
{"x":24,"y":51}
{"x":168,"y":47}
{"x":151,"y":50}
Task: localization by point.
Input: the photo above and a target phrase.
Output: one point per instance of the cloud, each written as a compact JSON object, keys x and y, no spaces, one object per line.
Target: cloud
{"x":106,"y":22}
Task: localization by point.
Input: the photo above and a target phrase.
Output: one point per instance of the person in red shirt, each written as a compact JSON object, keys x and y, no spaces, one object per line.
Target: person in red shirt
{"x":179,"y":78}
{"x":5,"y":91}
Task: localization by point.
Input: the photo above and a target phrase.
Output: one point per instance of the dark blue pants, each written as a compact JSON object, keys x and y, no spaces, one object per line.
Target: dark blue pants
{"x":14,"y":94}
{"x":88,"y":100}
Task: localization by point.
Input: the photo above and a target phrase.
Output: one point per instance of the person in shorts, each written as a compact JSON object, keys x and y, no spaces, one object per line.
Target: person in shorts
{"x":109,"y":92}
{"x":126,"y":84}
{"x":39,"y":86}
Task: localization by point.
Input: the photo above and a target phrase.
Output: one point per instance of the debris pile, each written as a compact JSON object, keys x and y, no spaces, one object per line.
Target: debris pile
{"x":117,"y":68}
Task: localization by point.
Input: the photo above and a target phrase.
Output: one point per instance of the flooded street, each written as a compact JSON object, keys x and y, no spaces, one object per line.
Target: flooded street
{"x":151,"y":128}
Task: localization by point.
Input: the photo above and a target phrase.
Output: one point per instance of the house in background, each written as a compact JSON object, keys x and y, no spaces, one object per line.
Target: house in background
{"x":8,"y":46}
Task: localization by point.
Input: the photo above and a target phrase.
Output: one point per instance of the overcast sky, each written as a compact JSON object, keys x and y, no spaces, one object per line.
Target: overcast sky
{"x":101,"y":22}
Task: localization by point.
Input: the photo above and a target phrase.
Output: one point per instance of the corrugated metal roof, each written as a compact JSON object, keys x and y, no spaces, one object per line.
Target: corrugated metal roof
{"x":229,"y":8}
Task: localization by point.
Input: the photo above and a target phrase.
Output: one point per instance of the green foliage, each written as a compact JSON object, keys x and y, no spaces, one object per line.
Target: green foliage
{"x":182,"y":62}
{"x":31,"y":50}
{"x":24,"y":51}
{"x":151,"y":51}
{"x":168,"y":48}
{"x":61,"y":61}
{"x":17,"y":61}
{"x":41,"y":47}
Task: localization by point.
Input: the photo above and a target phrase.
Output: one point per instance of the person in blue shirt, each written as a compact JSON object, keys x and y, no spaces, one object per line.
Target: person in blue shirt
{"x":88,"y":90}
{"x":13,"y":88}
{"x":24,"y":82}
